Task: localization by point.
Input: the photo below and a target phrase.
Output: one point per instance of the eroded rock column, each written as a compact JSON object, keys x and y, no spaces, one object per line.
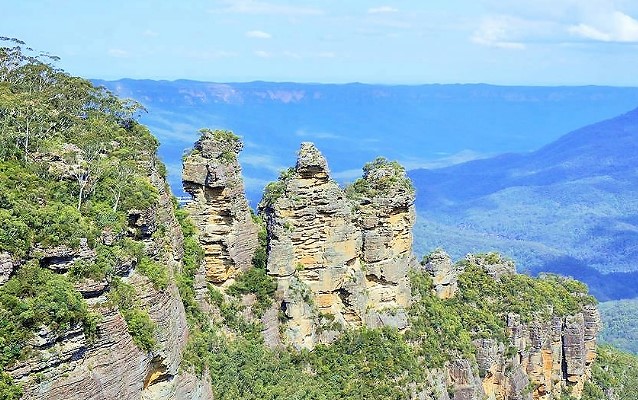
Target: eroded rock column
{"x":227,"y":233}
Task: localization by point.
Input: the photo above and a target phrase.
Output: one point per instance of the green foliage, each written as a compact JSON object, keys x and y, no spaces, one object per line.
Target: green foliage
{"x":435,"y":325}
{"x":138,"y":322}
{"x":141,"y":328}
{"x":36,"y":297}
{"x":73,"y":161}
{"x":108,"y":261}
{"x":8,"y":390}
{"x":255,"y":281}
{"x":366,"y":364}
{"x":529,"y":297}
{"x":614,"y":372}
{"x":154,"y":271}
{"x":274,"y":190}
{"x":444,"y":329}
{"x":191,"y":261}
{"x":379,"y":177}
{"x":620,"y":324}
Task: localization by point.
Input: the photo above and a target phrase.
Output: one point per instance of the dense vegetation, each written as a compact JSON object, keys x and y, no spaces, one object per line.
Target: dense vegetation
{"x":378,"y":177}
{"x":367,"y":363}
{"x":73,"y":161}
{"x":620,"y":324}
{"x":614,"y":376}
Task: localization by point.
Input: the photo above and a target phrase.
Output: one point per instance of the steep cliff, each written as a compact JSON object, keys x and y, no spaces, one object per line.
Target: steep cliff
{"x":70,"y":365}
{"x":219,"y":208}
{"x":548,"y":346}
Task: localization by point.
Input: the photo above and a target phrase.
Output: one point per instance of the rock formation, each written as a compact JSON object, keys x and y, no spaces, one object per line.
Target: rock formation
{"x":386,"y":217}
{"x":212,"y":176}
{"x":69,"y":366}
{"x":337,"y":257}
{"x":444,"y":273}
{"x":341,"y":260}
{"x":6,"y":267}
{"x":541,"y":360}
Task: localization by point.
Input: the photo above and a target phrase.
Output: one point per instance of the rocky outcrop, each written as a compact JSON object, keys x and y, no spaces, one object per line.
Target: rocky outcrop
{"x":541,"y":359}
{"x":61,"y":258}
{"x":339,"y":262}
{"x":6,"y":267}
{"x":227,"y":233}
{"x":544,"y":359}
{"x":493,"y":263}
{"x":443,"y":272}
{"x":386,"y":217}
{"x":67,"y":365}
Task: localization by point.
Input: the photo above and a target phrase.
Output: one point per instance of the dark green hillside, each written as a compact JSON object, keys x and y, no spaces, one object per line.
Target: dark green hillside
{"x":614,"y":376}
{"x":620,"y":320}
{"x":568,"y":207}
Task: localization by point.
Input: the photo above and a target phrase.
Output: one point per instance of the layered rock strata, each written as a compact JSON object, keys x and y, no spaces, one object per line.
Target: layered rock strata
{"x":542,"y":359}
{"x":67,"y":365}
{"x":338,"y":262}
{"x":227,"y":233}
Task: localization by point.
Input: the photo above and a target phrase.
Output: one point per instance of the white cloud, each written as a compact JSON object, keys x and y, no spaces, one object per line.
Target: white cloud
{"x":265,"y":8}
{"x":498,"y":32}
{"x":258,"y":35}
{"x":150,"y":33}
{"x":588,"y":32}
{"x":262,"y":161}
{"x":613,"y":27}
{"x":382,"y":10}
{"x":263,"y":54}
{"x":118,"y":53}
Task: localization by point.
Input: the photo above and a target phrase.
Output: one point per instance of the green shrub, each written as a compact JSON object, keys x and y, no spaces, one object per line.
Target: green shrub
{"x":36,"y":297}
{"x":274,"y":190}
{"x":8,"y":389}
{"x":191,"y":261}
{"x":141,"y":328}
{"x":255,"y":281}
{"x":154,"y":271}
{"x":15,"y":235}
{"x":138,"y":322}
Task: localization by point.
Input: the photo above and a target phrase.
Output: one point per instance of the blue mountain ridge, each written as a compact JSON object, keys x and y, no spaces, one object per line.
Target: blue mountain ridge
{"x":420,"y":126}
{"x":570,"y":207}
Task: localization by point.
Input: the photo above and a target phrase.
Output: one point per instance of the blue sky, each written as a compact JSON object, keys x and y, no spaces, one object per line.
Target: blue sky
{"x":527,"y":42}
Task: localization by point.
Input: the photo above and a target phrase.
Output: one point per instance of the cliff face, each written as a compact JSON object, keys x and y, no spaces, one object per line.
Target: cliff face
{"x":547,"y":357}
{"x":219,"y":207}
{"x":338,"y":262}
{"x":71,"y":366}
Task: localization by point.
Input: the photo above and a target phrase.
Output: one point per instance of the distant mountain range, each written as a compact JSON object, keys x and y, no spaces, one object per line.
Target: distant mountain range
{"x":425,"y":126}
{"x":570,"y":207}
